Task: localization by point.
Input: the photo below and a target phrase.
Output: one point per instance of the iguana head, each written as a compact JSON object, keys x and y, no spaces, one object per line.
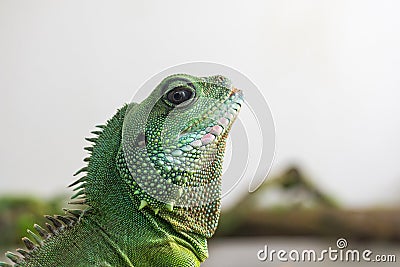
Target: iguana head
{"x":170,"y":156}
{"x":173,"y":147}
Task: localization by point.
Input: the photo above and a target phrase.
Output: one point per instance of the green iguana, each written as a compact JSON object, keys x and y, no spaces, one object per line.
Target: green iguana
{"x":151,"y":189}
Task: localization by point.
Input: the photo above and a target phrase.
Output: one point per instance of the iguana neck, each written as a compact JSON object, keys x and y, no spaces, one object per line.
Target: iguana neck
{"x":152,"y":185}
{"x":110,"y":197}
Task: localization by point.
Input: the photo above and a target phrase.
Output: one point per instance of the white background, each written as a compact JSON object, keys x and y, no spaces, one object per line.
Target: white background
{"x":329,"y":69}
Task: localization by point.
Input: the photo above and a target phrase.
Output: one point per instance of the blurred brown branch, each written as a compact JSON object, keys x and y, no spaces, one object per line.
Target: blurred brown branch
{"x":304,"y":210}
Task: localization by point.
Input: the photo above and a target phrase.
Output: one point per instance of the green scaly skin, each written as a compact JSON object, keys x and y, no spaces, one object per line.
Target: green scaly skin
{"x":151,"y":189}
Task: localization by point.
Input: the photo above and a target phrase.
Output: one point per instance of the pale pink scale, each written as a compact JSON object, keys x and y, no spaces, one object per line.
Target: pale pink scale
{"x":207,"y":138}
{"x":216,"y":130}
{"x":223,"y":121}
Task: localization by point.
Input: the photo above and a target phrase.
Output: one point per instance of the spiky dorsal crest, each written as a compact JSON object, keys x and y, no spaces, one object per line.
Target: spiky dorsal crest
{"x":79,"y":198}
{"x":58,"y":223}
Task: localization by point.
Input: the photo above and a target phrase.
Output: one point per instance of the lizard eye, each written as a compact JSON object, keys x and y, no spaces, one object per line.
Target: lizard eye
{"x":179,"y":95}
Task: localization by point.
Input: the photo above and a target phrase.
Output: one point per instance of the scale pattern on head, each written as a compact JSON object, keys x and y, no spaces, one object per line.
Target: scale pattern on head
{"x":173,"y":146}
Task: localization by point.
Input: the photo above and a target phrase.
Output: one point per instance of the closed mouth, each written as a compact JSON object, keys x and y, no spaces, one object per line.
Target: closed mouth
{"x":214,"y":123}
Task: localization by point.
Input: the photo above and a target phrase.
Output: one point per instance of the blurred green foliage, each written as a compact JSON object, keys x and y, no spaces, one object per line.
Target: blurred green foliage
{"x":19,"y":213}
{"x":301,"y":209}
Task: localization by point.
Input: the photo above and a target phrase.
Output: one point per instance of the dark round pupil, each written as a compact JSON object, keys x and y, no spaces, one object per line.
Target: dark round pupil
{"x":179,"y":95}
